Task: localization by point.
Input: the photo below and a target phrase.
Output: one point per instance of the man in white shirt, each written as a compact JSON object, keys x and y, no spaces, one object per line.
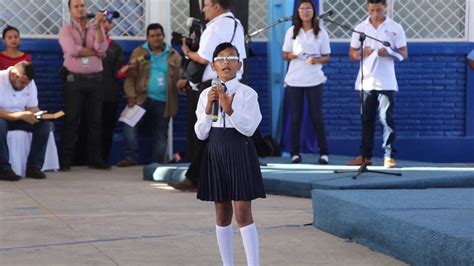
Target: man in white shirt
{"x":18,"y":105}
{"x":379,"y":83}
{"x":222,"y":27}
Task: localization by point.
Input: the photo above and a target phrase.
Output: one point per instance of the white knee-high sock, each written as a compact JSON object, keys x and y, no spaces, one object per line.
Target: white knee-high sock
{"x":226,"y":244}
{"x":250,"y":239}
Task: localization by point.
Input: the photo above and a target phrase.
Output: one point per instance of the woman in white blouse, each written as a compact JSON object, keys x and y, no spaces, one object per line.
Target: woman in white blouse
{"x":306,"y":47}
{"x":230,"y":168}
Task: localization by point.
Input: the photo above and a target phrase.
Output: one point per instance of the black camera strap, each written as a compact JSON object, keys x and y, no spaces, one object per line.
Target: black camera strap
{"x":235,"y":26}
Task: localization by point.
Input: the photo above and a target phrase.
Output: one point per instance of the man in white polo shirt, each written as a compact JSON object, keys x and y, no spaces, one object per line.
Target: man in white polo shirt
{"x":18,"y":105}
{"x":380,"y":83}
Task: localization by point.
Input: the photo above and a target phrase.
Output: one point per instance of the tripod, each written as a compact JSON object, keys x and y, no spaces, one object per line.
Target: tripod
{"x":362,"y":36}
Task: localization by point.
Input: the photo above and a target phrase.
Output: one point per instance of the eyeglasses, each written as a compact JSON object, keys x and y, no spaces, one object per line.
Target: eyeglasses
{"x":226,"y":58}
{"x":305,"y":10}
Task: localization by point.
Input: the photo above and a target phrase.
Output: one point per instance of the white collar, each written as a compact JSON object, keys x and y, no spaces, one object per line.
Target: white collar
{"x":232,"y":84}
{"x":387,"y":20}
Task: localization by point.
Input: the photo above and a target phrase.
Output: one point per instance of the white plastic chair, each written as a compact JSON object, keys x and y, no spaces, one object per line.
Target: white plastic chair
{"x":19,"y":144}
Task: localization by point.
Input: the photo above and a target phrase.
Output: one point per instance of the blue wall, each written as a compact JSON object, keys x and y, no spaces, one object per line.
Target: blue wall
{"x":434,"y":108}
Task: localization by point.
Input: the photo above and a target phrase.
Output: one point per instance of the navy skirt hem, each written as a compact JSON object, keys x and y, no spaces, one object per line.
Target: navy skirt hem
{"x":230,"y":168}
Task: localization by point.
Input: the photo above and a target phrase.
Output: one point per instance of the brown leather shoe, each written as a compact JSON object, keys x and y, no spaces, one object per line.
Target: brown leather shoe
{"x":389,"y":162}
{"x":126,"y":163}
{"x":33,"y":172}
{"x":9,"y":175}
{"x":359,"y":160}
{"x":185,"y":185}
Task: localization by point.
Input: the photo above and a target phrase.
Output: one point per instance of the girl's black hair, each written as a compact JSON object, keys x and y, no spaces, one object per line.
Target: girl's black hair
{"x":221,"y":47}
{"x":298,"y":23}
{"x":7,"y":29}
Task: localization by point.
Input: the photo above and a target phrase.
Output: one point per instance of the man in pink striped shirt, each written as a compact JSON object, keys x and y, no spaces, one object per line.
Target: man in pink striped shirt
{"x":84,"y":45}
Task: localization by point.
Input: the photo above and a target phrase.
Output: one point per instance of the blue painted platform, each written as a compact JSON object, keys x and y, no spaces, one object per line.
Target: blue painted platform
{"x":283,"y":178}
{"x":424,"y":217}
{"x":420,"y":227}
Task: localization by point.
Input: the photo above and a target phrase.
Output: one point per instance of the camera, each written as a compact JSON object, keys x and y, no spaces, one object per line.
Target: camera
{"x":195,"y":30}
{"x":192,"y":43}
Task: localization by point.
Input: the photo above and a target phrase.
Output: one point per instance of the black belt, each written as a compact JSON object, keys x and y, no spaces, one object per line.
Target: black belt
{"x":89,"y":76}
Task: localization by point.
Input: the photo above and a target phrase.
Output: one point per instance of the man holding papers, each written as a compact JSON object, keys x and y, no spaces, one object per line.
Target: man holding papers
{"x":379,"y":83}
{"x":152,"y":86}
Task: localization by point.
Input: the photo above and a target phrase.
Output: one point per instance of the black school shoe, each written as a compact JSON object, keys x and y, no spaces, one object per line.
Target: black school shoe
{"x":296,"y":158}
{"x":323,"y":159}
{"x":9,"y":175}
{"x":33,"y":172}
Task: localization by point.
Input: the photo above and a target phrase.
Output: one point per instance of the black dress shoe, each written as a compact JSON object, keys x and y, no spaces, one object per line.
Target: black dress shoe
{"x":9,"y":175}
{"x":323,"y":159}
{"x":296,"y":158}
{"x":99,"y":166}
{"x":33,"y":172}
{"x":185,"y":185}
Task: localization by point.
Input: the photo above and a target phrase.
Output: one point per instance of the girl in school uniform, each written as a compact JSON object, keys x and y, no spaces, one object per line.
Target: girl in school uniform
{"x":12,"y":55}
{"x":230,"y":167}
{"x":306,"y":47}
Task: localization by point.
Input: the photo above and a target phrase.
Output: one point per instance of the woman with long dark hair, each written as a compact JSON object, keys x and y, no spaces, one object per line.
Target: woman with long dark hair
{"x":306,"y":47}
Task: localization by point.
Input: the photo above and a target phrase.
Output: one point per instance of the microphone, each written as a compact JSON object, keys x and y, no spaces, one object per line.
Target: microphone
{"x":109,"y":15}
{"x":285,"y":19}
{"x":324,"y":15}
{"x":143,"y":59}
{"x":192,"y":21}
{"x":215,"y":104}
{"x":123,"y":72}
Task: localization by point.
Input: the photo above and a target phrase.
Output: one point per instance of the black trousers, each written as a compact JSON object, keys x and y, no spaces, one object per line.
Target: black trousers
{"x":109,"y":120}
{"x":195,"y":146}
{"x":81,"y":94}
{"x":315,"y":104}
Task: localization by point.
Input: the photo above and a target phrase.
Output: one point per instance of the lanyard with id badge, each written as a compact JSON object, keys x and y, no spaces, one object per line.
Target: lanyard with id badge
{"x":161,"y":79}
{"x":84,"y":60}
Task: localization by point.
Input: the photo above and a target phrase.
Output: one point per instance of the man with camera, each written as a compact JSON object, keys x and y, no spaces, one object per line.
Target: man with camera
{"x":222,"y":27}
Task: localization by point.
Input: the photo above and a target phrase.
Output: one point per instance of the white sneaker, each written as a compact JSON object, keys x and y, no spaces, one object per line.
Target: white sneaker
{"x":323,"y":159}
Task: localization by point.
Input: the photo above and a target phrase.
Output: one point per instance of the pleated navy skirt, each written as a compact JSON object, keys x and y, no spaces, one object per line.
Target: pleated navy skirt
{"x":230,"y":168}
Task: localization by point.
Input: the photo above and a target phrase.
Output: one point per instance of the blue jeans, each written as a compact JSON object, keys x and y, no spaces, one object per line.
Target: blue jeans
{"x":383,"y":102}
{"x":315,"y":104}
{"x":155,"y":111}
{"x":38,"y":144}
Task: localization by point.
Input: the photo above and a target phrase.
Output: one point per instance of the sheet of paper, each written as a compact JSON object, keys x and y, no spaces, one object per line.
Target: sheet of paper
{"x":131,"y":116}
{"x":394,"y":54}
{"x":370,"y":63}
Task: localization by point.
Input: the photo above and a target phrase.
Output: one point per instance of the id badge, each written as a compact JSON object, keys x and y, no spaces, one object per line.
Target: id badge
{"x":85,"y":61}
{"x":161,"y":80}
